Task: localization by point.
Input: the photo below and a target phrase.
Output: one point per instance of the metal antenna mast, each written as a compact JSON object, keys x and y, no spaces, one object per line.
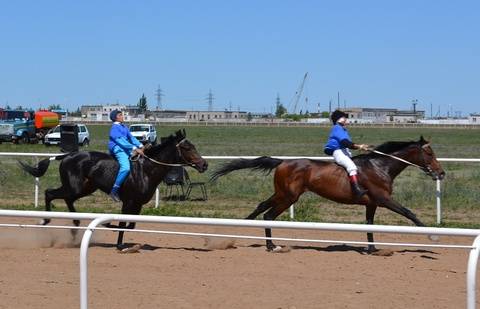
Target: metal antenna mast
{"x":210,"y":99}
{"x":159,"y":94}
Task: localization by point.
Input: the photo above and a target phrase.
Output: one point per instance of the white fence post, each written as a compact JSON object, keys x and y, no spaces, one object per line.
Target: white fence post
{"x":292,"y":211}
{"x":472,"y":273}
{"x":157,"y":197}
{"x":438,"y":194}
{"x":84,"y":258}
{"x":37,"y":185}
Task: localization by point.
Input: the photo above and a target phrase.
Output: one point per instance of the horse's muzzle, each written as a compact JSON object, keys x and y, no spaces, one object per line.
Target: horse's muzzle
{"x":201,"y":165}
{"x":435,"y":175}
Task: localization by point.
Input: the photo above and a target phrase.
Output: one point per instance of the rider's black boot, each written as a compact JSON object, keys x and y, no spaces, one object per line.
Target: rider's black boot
{"x":357,"y":190}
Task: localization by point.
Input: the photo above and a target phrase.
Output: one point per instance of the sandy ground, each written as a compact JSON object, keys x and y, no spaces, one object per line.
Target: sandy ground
{"x":40,"y":269}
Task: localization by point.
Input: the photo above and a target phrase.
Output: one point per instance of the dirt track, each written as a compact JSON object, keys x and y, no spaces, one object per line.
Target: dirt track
{"x":39,"y":270}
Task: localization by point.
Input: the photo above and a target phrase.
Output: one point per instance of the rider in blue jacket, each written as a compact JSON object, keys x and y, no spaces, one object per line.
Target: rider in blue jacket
{"x":338,"y":145}
{"x":122,"y":146}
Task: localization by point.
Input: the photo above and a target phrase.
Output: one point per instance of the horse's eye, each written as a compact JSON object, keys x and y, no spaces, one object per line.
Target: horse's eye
{"x":428,"y":151}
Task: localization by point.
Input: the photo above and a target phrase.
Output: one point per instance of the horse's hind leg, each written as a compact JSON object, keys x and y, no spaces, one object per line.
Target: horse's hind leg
{"x":71,"y":208}
{"x":278,"y":205}
{"x":370,"y":214}
{"x":262,"y":207}
{"x":50,"y":195}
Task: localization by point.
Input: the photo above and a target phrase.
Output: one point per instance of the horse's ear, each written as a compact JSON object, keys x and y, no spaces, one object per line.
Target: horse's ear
{"x":422,"y":140}
{"x":184,"y":133}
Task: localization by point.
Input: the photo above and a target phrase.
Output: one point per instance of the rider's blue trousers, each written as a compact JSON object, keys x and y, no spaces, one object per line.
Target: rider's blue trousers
{"x":123,"y":160}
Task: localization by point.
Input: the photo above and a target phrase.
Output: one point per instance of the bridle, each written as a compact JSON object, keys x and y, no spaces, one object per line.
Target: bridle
{"x":427,"y":169}
{"x":177,"y":146}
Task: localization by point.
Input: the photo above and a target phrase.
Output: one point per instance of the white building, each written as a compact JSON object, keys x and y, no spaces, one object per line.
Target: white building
{"x":100,"y":112}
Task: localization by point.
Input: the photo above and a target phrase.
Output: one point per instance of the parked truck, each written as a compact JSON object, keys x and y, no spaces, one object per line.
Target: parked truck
{"x":26,"y":126}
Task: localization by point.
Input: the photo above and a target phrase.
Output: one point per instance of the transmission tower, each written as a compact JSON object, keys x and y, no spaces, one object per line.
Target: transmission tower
{"x":210,"y":99}
{"x":159,"y":94}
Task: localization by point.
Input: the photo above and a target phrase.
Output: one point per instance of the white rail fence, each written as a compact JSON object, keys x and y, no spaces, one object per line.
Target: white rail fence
{"x":97,"y":219}
{"x":438,"y":192}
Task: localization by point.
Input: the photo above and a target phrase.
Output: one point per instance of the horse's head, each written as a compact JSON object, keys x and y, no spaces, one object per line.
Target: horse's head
{"x":427,"y":160}
{"x":187,"y":152}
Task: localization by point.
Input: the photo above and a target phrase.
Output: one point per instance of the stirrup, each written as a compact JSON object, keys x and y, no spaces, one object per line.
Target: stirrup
{"x":115,"y":196}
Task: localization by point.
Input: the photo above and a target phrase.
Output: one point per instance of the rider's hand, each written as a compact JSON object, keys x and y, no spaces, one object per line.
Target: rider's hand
{"x":363,"y":147}
{"x":139,"y":151}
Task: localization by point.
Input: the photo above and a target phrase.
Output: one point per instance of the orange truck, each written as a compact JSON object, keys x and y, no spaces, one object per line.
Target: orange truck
{"x":26,"y":126}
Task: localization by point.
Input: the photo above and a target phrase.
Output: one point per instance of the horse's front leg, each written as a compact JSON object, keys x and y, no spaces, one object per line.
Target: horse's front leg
{"x":399,"y":209}
{"x":370,"y":215}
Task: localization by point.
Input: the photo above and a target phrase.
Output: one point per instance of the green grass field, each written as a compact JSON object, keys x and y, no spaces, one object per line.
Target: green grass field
{"x":236,"y":195}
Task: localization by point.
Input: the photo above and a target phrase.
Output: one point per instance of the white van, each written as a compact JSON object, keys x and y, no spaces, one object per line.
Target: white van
{"x":53,"y":136}
{"x":145,"y":133}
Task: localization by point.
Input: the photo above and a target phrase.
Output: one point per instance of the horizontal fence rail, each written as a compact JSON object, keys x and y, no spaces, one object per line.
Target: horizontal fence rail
{"x":97,"y":219}
{"x":438,"y":191}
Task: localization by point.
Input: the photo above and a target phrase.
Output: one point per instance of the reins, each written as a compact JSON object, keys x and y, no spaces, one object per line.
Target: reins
{"x":168,"y":164}
{"x":399,"y":159}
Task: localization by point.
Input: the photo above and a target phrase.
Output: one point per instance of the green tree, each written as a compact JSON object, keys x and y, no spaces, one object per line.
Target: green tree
{"x":142,"y":103}
{"x":77,"y":113}
{"x":54,"y":106}
{"x":281,"y":110}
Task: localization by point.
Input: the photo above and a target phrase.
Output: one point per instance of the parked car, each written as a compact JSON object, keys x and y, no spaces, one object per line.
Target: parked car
{"x":145,"y":133}
{"x":53,"y":136}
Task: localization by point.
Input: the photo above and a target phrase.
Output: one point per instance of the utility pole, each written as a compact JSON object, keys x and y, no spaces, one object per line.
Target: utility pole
{"x":210,"y":99}
{"x":414,"y":103}
{"x":159,"y":94}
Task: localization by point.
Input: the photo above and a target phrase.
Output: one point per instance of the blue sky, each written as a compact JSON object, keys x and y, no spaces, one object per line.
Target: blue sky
{"x":374,"y":53}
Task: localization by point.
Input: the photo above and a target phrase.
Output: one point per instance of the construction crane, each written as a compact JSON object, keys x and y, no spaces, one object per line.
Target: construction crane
{"x":298,"y":94}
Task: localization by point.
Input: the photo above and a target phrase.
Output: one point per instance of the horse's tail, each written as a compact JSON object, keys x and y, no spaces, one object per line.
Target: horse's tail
{"x":267,"y":164}
{"x":42,"y":166}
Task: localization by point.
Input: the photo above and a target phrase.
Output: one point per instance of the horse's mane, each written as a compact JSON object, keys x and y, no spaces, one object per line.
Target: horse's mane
{"x":389,"y":147}
{"x":165,"y":142}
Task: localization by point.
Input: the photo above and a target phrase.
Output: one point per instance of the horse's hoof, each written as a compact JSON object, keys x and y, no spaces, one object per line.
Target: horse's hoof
{"x":279,"y":249}
{"x":132,"y":249}
{"x":44,"y":221}
{"x":434,"y":238}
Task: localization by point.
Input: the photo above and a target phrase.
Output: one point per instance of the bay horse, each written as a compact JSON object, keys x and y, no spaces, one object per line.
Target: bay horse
{"x":82,"y":173}
{"x":377,"y":171}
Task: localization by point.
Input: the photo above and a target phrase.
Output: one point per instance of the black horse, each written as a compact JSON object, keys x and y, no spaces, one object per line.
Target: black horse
{"x":82,"y":173}
{"x":377,"y":171}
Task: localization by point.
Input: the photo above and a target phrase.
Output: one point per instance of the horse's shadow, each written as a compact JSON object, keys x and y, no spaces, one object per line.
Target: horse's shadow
{"x":332,"y":248}
{"x":148,"y":247}
{"x":356,"y":249}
